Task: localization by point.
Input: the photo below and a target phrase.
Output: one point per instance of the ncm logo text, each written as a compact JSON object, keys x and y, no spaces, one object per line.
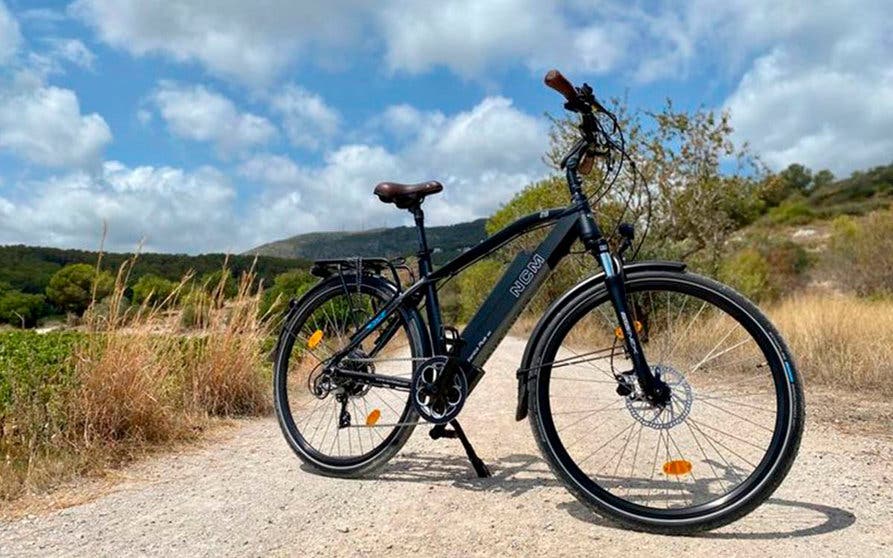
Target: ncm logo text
{"x":526,"y":276}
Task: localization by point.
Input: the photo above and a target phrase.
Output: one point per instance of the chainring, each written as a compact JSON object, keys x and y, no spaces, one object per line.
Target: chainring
{"x":435,"y":398}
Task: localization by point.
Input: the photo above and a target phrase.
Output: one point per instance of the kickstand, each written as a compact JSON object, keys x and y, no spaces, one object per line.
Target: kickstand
{"x":440,"y":431}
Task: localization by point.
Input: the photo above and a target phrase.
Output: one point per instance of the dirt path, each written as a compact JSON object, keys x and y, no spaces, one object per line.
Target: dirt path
{"x":248,"y":495}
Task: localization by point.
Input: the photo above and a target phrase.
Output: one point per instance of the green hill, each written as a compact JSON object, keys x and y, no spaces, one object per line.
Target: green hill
{"x":29,"y":268}
{"x":862,"y":192}
{"x":446,"y":242}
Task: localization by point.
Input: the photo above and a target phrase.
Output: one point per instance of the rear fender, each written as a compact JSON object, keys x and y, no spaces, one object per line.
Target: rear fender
{"x":555,"y":307}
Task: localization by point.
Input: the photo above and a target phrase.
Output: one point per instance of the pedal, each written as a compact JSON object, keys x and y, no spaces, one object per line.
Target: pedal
{"x":451,"y":339}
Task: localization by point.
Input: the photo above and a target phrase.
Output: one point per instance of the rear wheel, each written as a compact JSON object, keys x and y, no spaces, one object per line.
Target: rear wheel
{"x":720,"y":447}
{"x":336,"y":426}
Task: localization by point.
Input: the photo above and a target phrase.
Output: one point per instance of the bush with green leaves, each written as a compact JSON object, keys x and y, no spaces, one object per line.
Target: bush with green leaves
{"x":36,"y":378}
{"x":74,"y":287}
{"x":860,"y":253}
{"x":767,"y":268}
{"x":793,"y":211}
{"x":220,"y":282}
{"x":286,"y":286}
{"x":153,"y":289}
{"x":475,"y":283}
{"x":20,"y":309}
{"x":195,"y":308}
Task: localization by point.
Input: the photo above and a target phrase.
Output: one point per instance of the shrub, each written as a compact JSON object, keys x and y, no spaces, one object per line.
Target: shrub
{"x":860,"y":253}
{"x":475,"y":283}
{"x":748,"y":272}
{"x":153,"y":289}
{"x":21,"y":309}
{"x":36,"y":379}
{"x":794,"y":211}
{"x":767,"y":268}
{"x":286,"y":286}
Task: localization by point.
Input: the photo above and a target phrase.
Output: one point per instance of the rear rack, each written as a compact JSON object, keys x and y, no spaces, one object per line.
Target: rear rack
{"x":370,"y":266}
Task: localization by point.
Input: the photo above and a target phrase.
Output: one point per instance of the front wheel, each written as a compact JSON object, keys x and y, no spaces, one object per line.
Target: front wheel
{"x":718,"y":449}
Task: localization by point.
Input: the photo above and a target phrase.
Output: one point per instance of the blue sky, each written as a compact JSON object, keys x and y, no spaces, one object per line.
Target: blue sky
{"x":202,"y":129}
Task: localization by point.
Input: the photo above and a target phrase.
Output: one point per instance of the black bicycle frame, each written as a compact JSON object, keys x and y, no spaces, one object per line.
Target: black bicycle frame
{"x":512,"y":293}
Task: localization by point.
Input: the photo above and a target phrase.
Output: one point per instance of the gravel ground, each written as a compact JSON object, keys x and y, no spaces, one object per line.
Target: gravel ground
{"x":248,"y":495}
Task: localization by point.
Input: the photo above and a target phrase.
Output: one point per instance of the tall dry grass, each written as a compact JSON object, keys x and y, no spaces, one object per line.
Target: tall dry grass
{"x":838,"y":340}
{"x":140,"y":380}
{"x":224,"y":370}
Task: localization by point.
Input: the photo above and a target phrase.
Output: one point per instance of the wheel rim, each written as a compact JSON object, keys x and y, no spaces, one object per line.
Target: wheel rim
{"x":703,"y":459}
{"x":377,"y":415}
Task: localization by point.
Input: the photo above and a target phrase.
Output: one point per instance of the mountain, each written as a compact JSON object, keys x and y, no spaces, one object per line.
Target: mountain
{"x":446,"y":242}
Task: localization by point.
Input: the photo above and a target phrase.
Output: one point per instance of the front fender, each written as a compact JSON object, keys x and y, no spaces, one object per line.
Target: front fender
{"x":548,"y":316}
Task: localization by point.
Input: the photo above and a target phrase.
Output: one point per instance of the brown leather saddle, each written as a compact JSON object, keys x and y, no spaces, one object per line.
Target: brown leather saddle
{"x":406,"y":196}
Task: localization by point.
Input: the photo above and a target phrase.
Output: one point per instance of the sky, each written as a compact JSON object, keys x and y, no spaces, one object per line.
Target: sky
{"x":196,"y":126}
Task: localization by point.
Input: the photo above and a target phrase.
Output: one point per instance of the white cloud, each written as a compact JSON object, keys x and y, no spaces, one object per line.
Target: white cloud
{"x":254,"y":44}
{"x":307,"y":119}
{"x":193,"y":211}
{"x":44,"y":125}
{"x":465,"y":35}
{"x":823,"y":96}
{"x":244,"y":41}
{"x":483,"y":156}
{"x":73,"y":51}
{"x":10,"y":36}
{"x":174,"y":210}
{"x":60,"y":52}
{"x":199,"y":114}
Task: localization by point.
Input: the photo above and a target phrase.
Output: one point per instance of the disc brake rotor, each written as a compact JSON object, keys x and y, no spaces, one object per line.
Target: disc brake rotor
{"x":670,"y":415}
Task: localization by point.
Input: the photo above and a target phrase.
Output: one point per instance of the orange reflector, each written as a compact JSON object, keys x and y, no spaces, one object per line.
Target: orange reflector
{"x":618,"y":332}
{"x":373,"y":417}
{"x":677,"y":467}
{"x":315,"y":339}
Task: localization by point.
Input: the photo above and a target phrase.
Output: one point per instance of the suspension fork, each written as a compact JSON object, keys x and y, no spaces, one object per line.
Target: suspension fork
{"x":656,"y":391}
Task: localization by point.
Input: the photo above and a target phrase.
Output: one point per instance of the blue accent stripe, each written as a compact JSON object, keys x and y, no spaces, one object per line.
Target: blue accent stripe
{"x":607,"y":264}
{"x":789,"y":371}
{"x":376,"y":320}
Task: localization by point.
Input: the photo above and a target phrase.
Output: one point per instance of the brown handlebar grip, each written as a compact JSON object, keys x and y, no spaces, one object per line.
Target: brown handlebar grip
{"x":559,"y":83}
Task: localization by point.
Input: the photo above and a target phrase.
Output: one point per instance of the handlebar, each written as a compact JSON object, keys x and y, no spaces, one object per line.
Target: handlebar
{"x":579,"y":99}
{"x":559,"y":83}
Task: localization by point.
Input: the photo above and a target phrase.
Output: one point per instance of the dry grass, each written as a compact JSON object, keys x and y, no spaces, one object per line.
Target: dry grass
{"x":225,"y":373}
{"x":839,"y":341}
{"x":140,"y":381}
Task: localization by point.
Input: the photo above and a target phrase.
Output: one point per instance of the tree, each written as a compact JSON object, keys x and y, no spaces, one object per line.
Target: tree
{"x":796,"y":178}
{"x":822,"y":178}
{"x":21,"y":309}
{"x":693,"y":189}
{"x":286,"y":286}
{"x":152,"y":288}
{"x":74,"y":287}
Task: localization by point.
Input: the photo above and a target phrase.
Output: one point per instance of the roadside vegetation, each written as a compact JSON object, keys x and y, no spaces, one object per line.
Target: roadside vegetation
{"x":131,"y":377}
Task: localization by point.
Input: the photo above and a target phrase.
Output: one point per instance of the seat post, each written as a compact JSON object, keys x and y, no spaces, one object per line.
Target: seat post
{"x":424,"y":253}
{"x":432,"y":304}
